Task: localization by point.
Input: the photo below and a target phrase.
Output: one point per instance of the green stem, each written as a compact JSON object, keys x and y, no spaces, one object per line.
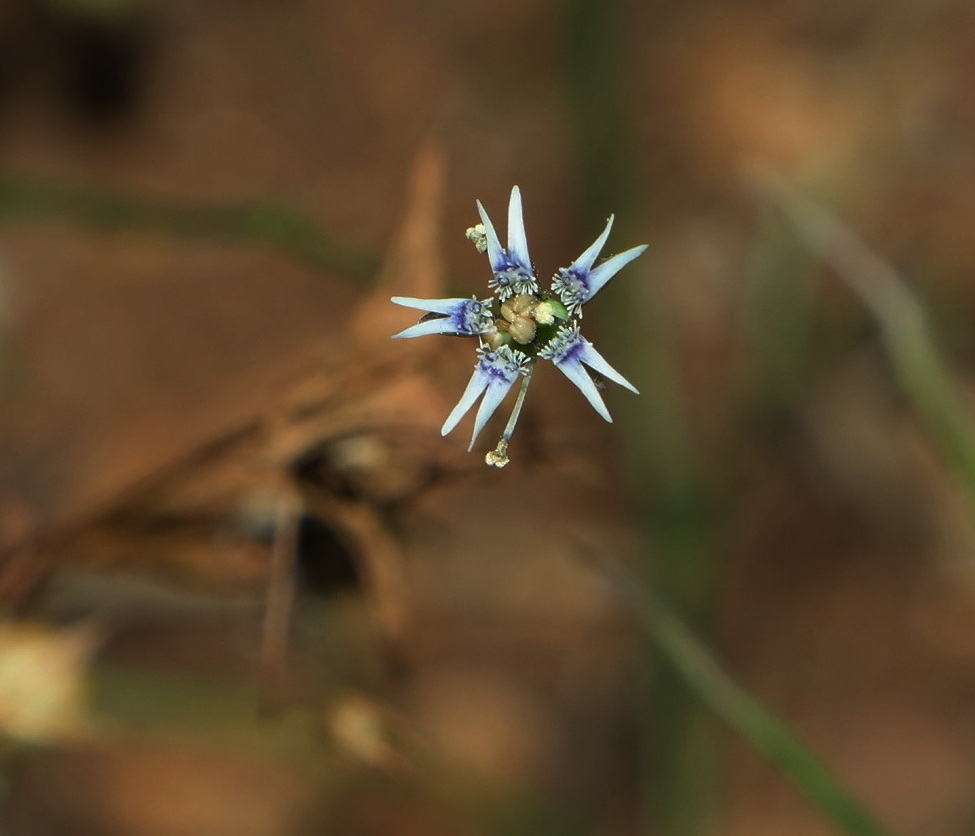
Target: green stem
{"x":509,"y":429}
{"x":702,"y":673}
{"x":26,"y":200}
{"x":773,"y":738}
{"x":666,"y":478}
{"x":904,"y":328}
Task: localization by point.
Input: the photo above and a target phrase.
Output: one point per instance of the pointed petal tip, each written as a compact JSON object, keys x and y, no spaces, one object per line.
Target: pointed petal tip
{"x":636,"y":252}
{"x":597,"y":363}
{"x":584,"y":383}
{"x":601,"y":275}
{"x":517,"y":237}
{"x":475,"y":386}
{"x":515,"y":209}
{"x":429,"y":305}
{"x":431,"y":327}
{"x":585,"y":261}
{"x":494,"y":395}
{"x":450,"y":424}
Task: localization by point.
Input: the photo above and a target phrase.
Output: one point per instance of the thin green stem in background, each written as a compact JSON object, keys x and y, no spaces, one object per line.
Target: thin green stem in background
{"x":678,"y":781}
{"x":262,"y":222}
{"x":702,"y":673}
{"x":773,"y":738}
{"x":777,"y":330}
{"x":599,"y":121}
{"x":903,"y":324}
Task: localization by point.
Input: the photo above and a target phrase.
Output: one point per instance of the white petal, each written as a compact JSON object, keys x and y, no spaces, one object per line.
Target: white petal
{"x":493,"y":397}
{"x":610,"y":267}
{"x":517,"y":239}
{"x":440,"y":306}
{"x":580,"y":377}
{"x":584,"y":262}
{"x":493,"y":243}
{"x":477,"y":384}
{"x":440,"y":325}
{"x":593,"y":358}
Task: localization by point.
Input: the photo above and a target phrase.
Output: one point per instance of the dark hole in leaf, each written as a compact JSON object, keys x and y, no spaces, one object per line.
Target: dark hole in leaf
{"x":324,"y":563}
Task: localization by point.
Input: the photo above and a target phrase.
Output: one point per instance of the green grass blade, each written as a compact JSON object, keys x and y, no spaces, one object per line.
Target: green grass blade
{"x":268,"y":223}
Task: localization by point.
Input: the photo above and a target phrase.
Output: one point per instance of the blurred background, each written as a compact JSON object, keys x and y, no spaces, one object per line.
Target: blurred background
{"x":247,"y":587}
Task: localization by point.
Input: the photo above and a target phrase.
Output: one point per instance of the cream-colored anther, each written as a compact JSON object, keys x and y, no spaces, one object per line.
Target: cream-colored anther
{"x":522,"y":329}
{"x":544,"y":313}
{"x":494,"y":340}
{"x":520,"y":305}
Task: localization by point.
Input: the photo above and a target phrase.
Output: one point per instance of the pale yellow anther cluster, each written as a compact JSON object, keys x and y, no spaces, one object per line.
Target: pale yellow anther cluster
{"x":520,"y":317}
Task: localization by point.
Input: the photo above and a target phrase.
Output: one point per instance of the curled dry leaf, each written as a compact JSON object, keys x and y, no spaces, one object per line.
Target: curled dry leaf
{"x":347,"y":424}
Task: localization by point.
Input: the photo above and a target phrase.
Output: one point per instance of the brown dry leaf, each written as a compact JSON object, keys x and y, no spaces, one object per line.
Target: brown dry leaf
{"x":348,"y":421}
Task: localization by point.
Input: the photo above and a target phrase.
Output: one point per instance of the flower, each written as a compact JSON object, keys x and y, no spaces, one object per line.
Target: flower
{"x":532,"y":324}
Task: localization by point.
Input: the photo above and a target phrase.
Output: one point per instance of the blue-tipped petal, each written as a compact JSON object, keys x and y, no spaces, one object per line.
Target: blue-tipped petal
{"x":427,"y":328}
{"x":517,"y":239}
{"x":580,"y":377}
{"x":440,"y":306}
{"x":578,"y":283}
{"x":495,"y":374}
{"x":568,"y":350}
{"x":610,"y":267}
{"x":571,"y":283}
{"x":475,"y":386}
{"x":494,"y":249}
{"x":460,"y":317}
{"x":595,"y":360}
{"x":511,"y":267}
{"x":585,"y":261}
{"x":493,"y":396}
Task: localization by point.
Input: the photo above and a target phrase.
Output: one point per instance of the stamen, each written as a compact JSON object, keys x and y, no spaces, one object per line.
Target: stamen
{"x":522,"y":329}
